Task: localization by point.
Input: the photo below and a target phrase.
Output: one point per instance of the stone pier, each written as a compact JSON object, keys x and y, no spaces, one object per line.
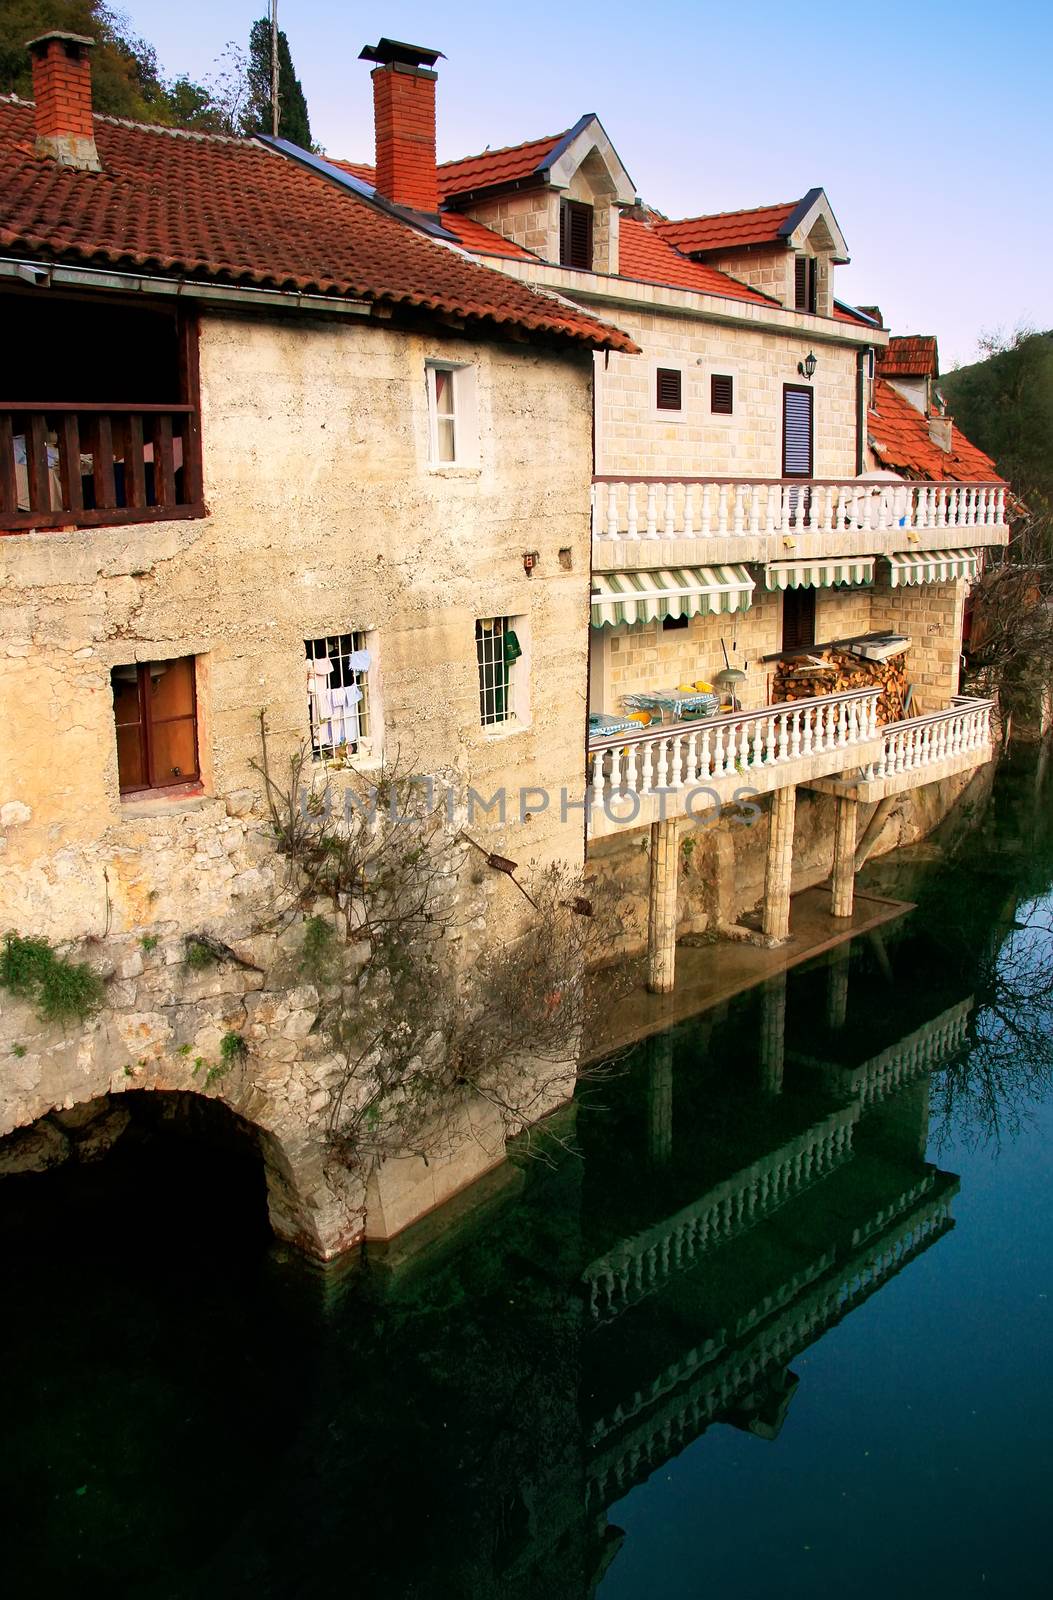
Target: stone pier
{"x":662,"y":907}
{"x":778,"y":867}
{"x":843,"y":876}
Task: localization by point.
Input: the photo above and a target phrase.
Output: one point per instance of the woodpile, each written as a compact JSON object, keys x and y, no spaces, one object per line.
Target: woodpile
{"x":834,"y":671}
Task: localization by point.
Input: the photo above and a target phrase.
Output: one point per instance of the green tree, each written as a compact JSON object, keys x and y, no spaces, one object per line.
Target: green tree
{"x":124,"y":73}
{"x":293,"y":121}
{"x":1004,"y":404}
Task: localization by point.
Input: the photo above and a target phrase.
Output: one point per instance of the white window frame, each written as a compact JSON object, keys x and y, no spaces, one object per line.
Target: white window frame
{"x":517,"y":712}
{"x":369,"y":741}
{"x":464,"y":414}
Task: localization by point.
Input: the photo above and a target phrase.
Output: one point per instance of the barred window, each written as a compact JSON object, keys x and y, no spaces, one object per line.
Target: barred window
{"x":338,"y":694}
{"x":497,"y":650}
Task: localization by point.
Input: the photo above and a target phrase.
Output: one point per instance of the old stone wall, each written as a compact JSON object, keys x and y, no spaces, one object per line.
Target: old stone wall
{"x":326,"y":517}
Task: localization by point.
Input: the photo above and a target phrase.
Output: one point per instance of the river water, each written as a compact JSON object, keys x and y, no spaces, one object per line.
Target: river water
{"x":781,"y":1326}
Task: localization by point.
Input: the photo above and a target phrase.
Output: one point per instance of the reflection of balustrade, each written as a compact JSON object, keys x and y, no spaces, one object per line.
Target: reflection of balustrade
{"x":638,"y":1266}
{"x":914,"y":1056}
{"x":667,"y":1428}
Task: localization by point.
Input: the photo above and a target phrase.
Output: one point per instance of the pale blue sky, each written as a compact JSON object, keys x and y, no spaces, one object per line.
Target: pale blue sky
{"x":927,"y":122}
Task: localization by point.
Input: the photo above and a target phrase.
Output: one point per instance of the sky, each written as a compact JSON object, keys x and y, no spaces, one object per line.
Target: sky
{"x":928,"y":123}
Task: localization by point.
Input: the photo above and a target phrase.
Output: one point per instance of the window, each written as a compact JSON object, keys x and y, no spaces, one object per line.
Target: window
{"x":669,"y":389}
{"x":575,"y":234}
{"x":497,"y":650}
{"x":804,"y":281}
{"x":797,"y":404}
{"x":338,"y":694}
{"x":722,"y":394}
{"x":451,"y":415}
{"x":798,"y":619}
{"x":155,"y":713}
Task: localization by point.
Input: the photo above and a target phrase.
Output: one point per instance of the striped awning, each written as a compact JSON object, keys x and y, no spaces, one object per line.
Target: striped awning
{"x":933,"y":566}
{"x":818,"y":574}
{"x":669,"y":592}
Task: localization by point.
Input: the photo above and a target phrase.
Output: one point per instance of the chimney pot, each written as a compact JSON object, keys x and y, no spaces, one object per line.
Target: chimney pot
{"x":65,"y":131}
{"x":404,"y":123}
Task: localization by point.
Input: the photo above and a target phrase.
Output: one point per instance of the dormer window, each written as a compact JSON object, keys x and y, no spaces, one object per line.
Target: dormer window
{"x":804,"y":283}
{"x":575,"y":234}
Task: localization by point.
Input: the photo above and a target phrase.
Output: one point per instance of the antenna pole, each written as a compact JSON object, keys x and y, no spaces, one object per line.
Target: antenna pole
{"x":274,"y":68}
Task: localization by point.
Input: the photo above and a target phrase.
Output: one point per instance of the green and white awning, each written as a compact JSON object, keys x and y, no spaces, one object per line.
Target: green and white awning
{"x":818,"y":574}
{"x":668,"y":592}
{"x":933,"y":566}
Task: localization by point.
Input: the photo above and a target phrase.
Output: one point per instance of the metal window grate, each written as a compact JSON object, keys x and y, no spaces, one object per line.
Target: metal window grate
{"x":338,"y":694}
{"x":496,"y":688}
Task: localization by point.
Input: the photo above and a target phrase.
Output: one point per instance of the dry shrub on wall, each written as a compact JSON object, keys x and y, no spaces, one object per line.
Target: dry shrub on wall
{"x":444,"y":983}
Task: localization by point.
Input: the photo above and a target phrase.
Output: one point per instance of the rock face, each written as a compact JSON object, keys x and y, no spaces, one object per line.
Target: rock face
{"x":34,"y":1149}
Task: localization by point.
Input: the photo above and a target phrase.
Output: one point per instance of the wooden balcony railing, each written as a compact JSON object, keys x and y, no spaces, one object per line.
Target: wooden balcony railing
{"x":679,"y":757}
{"x":84,"y":465}
{"x":700,"y":508}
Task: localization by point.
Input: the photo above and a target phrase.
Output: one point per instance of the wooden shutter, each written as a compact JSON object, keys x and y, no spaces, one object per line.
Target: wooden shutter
{"x":669,"y":389}
{"x":155,"y":712}
{"x":722,"y":394}
{"x":804,"y":281}
{"x":796,"y":431}
{"x":798,"y":619}
{"x":575,"y":234}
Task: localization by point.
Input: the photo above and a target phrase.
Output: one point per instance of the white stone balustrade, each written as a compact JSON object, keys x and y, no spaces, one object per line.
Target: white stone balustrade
{"x":700,"y":508}
{"x":687,"y":755}
{"x":937,"y":737}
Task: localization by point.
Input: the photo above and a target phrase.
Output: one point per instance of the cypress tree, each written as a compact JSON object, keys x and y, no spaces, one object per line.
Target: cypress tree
{"x":293,"y":121}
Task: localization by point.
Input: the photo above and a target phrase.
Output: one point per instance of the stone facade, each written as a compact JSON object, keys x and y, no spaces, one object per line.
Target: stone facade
{"x":326,"y":517}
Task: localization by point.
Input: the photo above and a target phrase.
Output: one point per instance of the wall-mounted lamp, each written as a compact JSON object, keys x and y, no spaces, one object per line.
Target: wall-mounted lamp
{"x":807,"y":367}
{"x":530,"y":560}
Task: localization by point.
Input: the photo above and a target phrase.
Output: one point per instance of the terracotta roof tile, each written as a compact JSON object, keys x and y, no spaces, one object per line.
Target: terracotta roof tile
{"x":843,"y":313}
{"x":909,"y":356}
{"x":899,"y":437}
{"x":728,"y":230}
{"x":495,"y":166}
{"x":644,"y":255}
{"x":480,"y":239}
{"x":204,"y":206}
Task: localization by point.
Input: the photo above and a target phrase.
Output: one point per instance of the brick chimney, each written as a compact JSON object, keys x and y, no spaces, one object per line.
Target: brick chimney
{"x":62,"y":91}
{"x":404,"y":123}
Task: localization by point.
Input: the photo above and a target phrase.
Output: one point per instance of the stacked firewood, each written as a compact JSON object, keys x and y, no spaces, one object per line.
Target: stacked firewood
{"x":834,"y":671}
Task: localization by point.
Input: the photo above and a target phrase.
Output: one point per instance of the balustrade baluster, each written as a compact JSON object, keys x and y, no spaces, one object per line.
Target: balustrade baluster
{"x":612,"y":491}
{"x":740,"y":508}
{"x":722,"y":510}
{"x":689,"y":510}
{"x":707,"y":510}
{"x":795,"y":734}
{"x":670,"y":510}
{"x":632,"y":520}
{"x":770,"y":492}
{"x":652,"y":511}
{"x":812,"y":725}
{"x":755,"y":508}
{"x":705,"y":766}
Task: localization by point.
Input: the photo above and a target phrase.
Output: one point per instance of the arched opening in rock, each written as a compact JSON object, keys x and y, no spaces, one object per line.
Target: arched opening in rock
{"x":143,"y":1170}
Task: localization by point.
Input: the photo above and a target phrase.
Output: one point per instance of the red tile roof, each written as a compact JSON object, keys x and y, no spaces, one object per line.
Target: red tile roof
{"x":843,"y":313}
{"x":495,"y":166}
{"x":910,"y":356}
{"x":728,"y":230}
{"x":481,"y":240}
{"x":643,"y":255}
{"x":205,"y":206}
{"x":899,"y":437}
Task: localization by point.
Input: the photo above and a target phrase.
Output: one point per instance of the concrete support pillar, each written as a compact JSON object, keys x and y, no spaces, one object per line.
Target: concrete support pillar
{"x":772,"y":1041}
{"x":661,"y":911}
{"x":837,"y":986}
{"x":660,"y":1100}
{"x":843,"y":877}
{"x":779,"y":865}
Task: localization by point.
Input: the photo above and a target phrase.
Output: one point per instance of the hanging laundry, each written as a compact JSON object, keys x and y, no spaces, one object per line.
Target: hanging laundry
{"x":344,"y":726}
{"x":319,"y":672}
{"x":513,"y":649}
{"x":358,"y":661}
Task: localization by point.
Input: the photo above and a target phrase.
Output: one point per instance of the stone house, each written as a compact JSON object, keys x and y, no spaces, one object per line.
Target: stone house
{"x":750,"y":499}
{"x":273,"y":448}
